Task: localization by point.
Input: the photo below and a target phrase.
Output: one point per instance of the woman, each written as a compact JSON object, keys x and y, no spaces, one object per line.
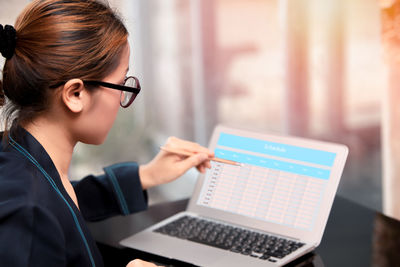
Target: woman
{"x":64,"y":80}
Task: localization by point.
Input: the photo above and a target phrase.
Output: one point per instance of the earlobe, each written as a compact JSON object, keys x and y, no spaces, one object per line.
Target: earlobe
{"x":73,"y":95}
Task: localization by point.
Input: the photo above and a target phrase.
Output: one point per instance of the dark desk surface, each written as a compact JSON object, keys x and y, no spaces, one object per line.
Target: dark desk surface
{"x":354,"y":236}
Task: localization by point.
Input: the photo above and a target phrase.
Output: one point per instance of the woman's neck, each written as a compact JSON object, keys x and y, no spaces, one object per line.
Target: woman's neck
{"x":59,"y":145}
{"x":55,"y":140}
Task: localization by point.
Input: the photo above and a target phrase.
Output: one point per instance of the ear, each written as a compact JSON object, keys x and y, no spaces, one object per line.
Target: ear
{"x":73,"y":94}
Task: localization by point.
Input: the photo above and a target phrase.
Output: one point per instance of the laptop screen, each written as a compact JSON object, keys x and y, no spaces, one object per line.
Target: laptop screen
{"x":275,"y":182}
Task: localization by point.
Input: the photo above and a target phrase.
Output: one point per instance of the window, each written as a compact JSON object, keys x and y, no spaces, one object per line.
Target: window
{"x":310,"y":68}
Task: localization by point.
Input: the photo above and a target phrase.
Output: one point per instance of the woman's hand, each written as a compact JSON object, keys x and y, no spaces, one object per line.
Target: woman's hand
{"x":166,"y":166}
{"x":140,"y":263}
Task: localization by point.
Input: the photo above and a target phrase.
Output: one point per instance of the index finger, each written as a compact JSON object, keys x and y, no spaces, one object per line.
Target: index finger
{"x":188,"y":146}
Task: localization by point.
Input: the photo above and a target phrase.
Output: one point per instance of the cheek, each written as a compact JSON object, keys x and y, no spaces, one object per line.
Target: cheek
{"x":109,"y":106}
{"x":101,"y":117}
{"x":108,"y":112}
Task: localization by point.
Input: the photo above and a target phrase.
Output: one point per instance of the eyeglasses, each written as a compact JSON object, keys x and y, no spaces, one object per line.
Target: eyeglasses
{"x":129,"y":90}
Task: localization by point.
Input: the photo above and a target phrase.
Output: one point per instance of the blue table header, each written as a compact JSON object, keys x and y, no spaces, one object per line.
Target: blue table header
{"x":273,"y":164}
{"x":275,"y":149}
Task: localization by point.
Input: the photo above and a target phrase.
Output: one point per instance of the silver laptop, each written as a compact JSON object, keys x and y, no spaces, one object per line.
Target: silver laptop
{"x":267,"y":210}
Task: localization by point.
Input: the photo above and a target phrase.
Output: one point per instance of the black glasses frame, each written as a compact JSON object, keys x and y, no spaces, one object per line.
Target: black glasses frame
{"x":134,"y":90}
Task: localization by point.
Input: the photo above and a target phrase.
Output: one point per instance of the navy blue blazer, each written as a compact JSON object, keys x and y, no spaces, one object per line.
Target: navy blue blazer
{"x":39,"y":223}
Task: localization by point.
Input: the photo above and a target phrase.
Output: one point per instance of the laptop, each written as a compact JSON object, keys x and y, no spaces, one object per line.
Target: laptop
{"x":268,"y":209}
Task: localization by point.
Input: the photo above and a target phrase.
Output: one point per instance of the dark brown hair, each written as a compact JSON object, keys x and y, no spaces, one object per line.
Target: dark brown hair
{"x":58,"y":40}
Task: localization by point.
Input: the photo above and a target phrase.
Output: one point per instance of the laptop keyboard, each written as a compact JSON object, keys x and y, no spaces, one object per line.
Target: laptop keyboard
{"x":230,"y":238}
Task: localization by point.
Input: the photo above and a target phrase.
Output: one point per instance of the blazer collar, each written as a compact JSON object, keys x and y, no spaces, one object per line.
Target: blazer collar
{"x":33,"y":148}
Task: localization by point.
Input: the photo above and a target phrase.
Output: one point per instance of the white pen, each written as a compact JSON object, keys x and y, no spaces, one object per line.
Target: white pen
{"x":188,"y":154}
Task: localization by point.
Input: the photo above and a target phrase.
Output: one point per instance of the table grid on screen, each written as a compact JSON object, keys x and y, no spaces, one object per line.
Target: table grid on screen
{"x":267,"y":194}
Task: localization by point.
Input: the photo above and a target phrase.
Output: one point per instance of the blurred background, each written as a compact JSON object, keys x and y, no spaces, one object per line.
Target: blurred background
{"x":310,"y":68}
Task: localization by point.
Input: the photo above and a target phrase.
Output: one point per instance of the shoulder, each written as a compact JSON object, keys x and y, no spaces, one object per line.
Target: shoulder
{"x":19,"y":190}
{"x":11,"y":161}
{"x":15,"y":175}
{"x":22,"y":188}
{"x":32,"y":235}
{"x":24,"y":201}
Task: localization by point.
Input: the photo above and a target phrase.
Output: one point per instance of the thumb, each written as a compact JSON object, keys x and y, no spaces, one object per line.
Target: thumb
{"x":192,"y":161}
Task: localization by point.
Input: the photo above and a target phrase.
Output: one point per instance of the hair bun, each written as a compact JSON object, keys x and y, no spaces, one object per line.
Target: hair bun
{"x":8,"y":40}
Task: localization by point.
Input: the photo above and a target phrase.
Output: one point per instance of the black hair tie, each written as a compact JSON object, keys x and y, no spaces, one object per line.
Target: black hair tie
{"x":8,"y":40}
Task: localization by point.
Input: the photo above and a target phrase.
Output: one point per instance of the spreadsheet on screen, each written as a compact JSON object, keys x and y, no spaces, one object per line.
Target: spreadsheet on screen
{"x":277,"y":183}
